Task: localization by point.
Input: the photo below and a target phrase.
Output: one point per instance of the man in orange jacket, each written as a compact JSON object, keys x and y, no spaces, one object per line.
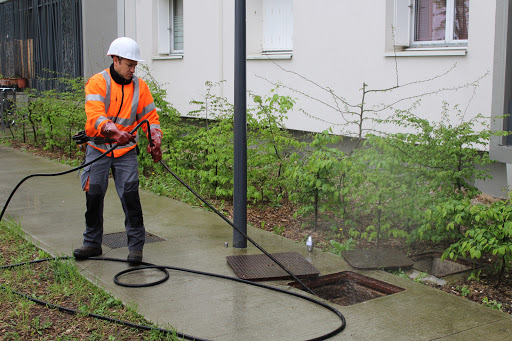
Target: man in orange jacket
{"x":116,"y":101}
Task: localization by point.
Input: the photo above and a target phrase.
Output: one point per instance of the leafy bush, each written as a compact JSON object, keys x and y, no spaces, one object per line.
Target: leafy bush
{"x":443,"y":155}
{"x":270,"y":148}
{"x":396,"y":177}
{"x":53,"y":116}
{"x":477,"y":229}
{"x":317,"y":177}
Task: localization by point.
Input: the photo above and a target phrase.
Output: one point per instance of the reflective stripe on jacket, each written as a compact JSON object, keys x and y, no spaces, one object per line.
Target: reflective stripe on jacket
{"x":125,"y":105}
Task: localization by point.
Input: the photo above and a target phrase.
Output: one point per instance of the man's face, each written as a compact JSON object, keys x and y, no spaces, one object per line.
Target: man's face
{"x":125,"y":67}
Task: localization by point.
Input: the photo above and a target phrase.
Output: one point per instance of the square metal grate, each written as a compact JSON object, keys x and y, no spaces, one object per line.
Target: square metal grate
{"x":119,"y":239}
{"x":262,"y":268}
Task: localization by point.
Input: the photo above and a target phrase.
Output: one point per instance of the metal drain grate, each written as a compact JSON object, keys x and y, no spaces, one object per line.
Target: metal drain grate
{"x":262,"y":268}
{"x":119,"y":239}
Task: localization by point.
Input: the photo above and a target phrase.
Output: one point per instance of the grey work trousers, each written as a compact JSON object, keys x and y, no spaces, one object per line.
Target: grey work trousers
{"x":126,"y":177}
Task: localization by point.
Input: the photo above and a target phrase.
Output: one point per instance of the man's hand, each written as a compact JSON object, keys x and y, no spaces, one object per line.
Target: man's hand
{"x":122,"y":138}
{"x":154,"y":149}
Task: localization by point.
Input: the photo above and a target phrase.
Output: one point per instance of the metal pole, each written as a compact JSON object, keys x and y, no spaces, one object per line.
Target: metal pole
{"x":240,"y":128}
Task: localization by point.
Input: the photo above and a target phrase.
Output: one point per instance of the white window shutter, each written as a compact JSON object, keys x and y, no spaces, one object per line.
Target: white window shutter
{"x":277,"y":25}
{"x":402,"y":22}
{"x":164,"y":32}
{"x":288,"y":41}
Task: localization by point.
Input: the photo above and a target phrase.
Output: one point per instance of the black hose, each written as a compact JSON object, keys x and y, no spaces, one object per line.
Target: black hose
{"x":164,"y":268}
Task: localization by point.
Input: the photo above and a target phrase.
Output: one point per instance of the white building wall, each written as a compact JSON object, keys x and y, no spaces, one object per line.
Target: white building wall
{"x":336,"y":43}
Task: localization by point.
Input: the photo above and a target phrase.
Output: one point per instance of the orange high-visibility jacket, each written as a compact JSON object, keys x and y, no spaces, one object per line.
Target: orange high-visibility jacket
{"x":125,"y":105}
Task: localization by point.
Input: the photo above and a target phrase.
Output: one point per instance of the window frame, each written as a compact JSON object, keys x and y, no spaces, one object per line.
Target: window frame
{"x":449,"y":29}
{"x":166,"y":28}
{"x":173,"y":27}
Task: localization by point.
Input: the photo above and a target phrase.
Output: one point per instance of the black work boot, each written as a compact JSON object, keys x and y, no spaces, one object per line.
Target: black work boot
{"x":87,"y":251}
{"x":135,"y":257}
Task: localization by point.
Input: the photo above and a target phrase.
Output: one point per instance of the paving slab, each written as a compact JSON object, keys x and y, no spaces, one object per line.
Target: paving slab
{"x":384,"y":259}
{"x":51,"y":211}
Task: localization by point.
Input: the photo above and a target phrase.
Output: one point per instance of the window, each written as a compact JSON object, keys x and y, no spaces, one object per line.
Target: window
{"x":277,"y":25}
{"x":170,"y":27}
{"x":431,"y":23}
{"x":440,"y":22}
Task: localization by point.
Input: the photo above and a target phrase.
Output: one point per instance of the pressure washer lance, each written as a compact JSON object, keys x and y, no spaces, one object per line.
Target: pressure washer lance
{"x":81,"y":140}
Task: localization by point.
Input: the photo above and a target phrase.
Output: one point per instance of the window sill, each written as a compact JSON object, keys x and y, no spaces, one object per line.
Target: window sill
{"x":169,"y":56}
{"x":270,"y":56}
{"x":430,"y":51}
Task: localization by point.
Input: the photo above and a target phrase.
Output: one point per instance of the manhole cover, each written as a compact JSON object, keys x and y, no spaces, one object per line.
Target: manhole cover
{"x":432,"y":264}
{"x":377,"y":259}
{"x":347,"y":288}
{"x":119,"y":239}
{"x":262,"y":268}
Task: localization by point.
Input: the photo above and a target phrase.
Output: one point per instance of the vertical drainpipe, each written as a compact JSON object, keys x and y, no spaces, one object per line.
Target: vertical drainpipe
{"x":120,"y":18}
{"x":240,"y":127}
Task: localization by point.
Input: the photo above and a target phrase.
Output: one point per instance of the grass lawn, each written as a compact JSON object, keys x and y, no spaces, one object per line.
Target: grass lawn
{"x":57,"y":282}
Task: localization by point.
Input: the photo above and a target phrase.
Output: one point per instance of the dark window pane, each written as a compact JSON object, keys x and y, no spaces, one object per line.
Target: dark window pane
{"x":461,"y":20}
{"x":430,"y":20}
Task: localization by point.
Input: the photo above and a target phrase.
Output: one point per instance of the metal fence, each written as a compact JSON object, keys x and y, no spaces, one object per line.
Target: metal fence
{"x":41,"y":40}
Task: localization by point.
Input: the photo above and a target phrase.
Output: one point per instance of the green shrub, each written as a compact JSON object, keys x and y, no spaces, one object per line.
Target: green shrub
{"x":478,"y":230}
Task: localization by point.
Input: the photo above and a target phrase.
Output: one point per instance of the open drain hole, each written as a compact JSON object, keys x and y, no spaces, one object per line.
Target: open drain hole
{"x":347,"y":288}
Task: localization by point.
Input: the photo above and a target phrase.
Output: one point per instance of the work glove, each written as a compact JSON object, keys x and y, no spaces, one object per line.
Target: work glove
{"x":121,"y":137}
{"x":154,"y":149}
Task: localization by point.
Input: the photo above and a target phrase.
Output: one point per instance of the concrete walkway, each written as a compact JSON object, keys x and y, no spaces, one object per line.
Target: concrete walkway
{"x":51,"y":211}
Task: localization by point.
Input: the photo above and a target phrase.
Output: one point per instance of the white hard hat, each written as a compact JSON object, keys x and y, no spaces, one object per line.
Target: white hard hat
{"x":126,"y":48}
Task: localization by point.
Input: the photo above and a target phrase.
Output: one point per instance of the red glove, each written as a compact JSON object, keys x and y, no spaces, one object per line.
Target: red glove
{"x":121,"y":137}
{"x":154,"y":150}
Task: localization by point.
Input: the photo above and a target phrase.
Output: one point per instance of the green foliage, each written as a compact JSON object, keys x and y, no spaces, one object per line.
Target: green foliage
{"x":464,"y":290}
{"x":384,"y":191}
{"x":484,"y":229}
{"x":443,"y":155}
{"x":396,"y":177}
{"x":50,"y":118}
{"x":443,"y":221}
{"x":337,"y":247}
{"x":211,"y":145}
{"x":475,"y":276}
{"x":474,"y":229}
{"x":492,"y":304}
{"x":318,"y":177}
{"x":400,"y":273}
{"x":270,"y":147}
{"x":278,"y":229}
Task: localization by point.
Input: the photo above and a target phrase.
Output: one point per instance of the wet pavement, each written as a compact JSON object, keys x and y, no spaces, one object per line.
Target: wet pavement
{"x":51,"y":212}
